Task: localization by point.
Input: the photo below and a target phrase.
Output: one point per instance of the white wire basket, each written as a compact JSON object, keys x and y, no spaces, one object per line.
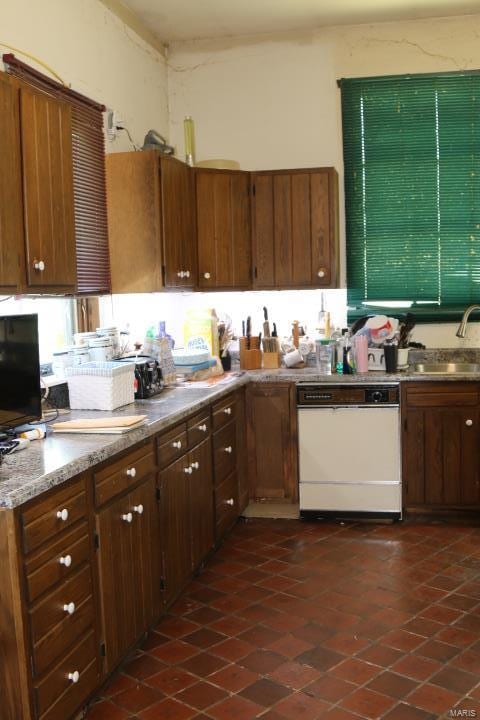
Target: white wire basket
{"x":101,"y":385}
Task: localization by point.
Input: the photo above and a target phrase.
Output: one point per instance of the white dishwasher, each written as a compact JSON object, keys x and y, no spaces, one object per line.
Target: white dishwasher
{"x":349,"y":450}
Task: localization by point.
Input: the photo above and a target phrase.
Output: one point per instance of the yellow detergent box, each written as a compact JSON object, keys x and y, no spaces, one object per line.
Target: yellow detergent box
{"x":200,"y":331}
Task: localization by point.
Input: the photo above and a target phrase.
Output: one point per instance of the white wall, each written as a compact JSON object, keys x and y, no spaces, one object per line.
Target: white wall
{"x":94,"y":52}
{"x":273,"y":101}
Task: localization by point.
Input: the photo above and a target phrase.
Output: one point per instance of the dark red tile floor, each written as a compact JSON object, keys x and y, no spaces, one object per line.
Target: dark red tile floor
{"x":315,"y":620}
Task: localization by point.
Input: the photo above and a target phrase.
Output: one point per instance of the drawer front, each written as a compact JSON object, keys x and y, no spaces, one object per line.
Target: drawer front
{"x":198,"y":428}
{"x":54,"y":644}
{"x":172,"y":445}
{"x":57,"y":696}
{"x":58,"y":561}
{"x":224,"y":452}
{"x":122,"y":474}
{"x":52,"y":610}
{"x":226,"y":505}
{"x":45,"y":519}
{"x":223,"y":411}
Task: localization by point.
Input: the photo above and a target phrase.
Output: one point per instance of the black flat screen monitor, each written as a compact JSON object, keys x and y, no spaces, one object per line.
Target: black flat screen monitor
{"x":20,"y":399}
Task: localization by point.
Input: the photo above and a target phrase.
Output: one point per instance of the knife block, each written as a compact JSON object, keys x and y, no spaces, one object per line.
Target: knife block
{"x":271,"y":360}
{"x":250,"y":359}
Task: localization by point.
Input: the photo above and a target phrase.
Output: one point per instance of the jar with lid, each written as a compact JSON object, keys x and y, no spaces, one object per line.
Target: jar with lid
{"x":114,"y":335}
{"x":324,"y":353}
{"x":80,"y":354}
{"x":61,"y":360}
{"x":101,"y":349}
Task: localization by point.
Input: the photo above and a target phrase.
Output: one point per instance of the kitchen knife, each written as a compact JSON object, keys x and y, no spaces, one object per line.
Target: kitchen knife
{"x":274,"y":333}
{"x":243,"y":328}
{"x":249,"y":331}
{"x":266,"y":324}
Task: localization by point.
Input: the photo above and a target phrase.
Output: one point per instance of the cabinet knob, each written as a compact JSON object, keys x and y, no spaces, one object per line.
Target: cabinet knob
{"x":228,"y":411}
{"x":188,"y":470}
{"x":180,"y":274}
{"x":195,"y":465}
{"x":66,"y":560}
{"x":177,"y":444}
{"x":469,"y":423}
{"x":39,"y":265}
{"x":186,"y":273}
{"x":321,"y":273}
{"x":228,"y":449}
{"x":138,"y":509}
{"x":231,"y":502}
{"x":127,"y":517}
{"x":131,"y":472}
{"x":62,"y":514}
{"x":74,"y":676}
{"x":207,"y":276}
{"x":203,"y":427}
{"x":69,"y":608}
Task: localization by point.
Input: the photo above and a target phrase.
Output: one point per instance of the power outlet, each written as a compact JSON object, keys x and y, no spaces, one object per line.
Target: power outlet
{"x":114,"y":122}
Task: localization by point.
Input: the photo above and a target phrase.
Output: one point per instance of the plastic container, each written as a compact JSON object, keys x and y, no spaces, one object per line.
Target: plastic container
{"x":61,"y":360}
{"x":324,"y":355}
{"x":361,"y":353}
{"x":101,"y":386}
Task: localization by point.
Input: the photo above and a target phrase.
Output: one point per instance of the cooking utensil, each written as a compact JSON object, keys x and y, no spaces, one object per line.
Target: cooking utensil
{"x":295,"y":333}
{"x":243,"y":328}
{"x":249,"y":331}
{"x":275,"y":333}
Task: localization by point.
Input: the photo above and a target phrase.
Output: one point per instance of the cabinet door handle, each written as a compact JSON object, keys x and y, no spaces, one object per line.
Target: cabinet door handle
{"x":195,"y":465}
{"x":228,"y":449}
{"x":207,"y":276}
{"x":138,"y":509}
{"x":188,"y":470}
{"x":231,"y":502}
{"x":203,"y":427}
{"x":62,"y":514}
{"x":66,"y":560}
{"x":469,"y":423}
{"x":321,"y":273}
{"x":180,"y":274}
{"x":69,"y":608}
{"x":74,"y":676}
{"x":186,"y":273}
{"x":39,"y":265}
{"x":131,"y":472}
{"x":177,"y":444}
{"x":228,"y":411}
{"x":127,"y":517}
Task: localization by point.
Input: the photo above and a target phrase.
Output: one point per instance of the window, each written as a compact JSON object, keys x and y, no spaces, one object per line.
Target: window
{"x":412,"y":193}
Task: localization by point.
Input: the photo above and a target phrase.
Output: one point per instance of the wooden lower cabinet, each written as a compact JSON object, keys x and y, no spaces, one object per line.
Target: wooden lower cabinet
{"x":200,"y":491}
{"x":440,"y":446}
{"x":272,"y":441}
{"x":127,"y":532}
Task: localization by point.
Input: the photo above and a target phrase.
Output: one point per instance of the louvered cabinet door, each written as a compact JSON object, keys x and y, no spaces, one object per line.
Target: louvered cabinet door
{"x":48,"y":191}
{"x":11,"y":212}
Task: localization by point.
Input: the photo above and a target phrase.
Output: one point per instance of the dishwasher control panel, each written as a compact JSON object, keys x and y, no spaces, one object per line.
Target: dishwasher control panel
{"x":313,"y":395}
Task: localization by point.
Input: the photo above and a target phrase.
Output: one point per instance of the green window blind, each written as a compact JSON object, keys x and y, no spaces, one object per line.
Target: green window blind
{"x":412,"y":192}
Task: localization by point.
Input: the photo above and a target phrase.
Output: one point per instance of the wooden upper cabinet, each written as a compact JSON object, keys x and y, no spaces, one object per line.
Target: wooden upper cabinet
{"x":11,"y":209}
{"x":134,"y":221}
{"x":295,"y":228}
{"x":177,"y":187}
{"x":223,"y":229}
{"x":46,"y":140}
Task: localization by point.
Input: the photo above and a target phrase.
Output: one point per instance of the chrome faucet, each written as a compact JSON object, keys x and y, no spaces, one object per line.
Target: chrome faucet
{"x":462,"y":328}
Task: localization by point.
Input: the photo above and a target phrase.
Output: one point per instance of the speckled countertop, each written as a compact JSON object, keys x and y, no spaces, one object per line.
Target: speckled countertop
{"x":50,"y":462}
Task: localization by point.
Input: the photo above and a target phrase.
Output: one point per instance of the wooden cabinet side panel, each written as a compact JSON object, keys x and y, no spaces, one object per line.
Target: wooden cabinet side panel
{"x":262,"y":229}
{"x":134,"y":222}
{"x":174,"y":528}
{"x":14,"y":660}
{"x":12,"y":253}
{"x":242,"y":465}
{"x":207,"y":262}
{"x":453,"y":469}
{"x":301,"y":230}
{"x":272,"y":450}
{"x":48,"y":189}
{"x":223,"y":231}
{"x":470,"y":463}
{"x":324,"y":240}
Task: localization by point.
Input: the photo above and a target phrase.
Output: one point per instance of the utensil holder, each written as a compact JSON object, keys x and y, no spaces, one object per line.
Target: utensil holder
{"x":250,"y":359}
{"x":271,"y":360}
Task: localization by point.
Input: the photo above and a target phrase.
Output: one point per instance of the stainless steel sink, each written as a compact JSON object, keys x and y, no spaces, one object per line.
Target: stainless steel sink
{"x":446,"y":368}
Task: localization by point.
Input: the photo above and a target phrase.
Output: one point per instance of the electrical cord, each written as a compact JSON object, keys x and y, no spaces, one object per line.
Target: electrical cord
{"x":37,"y":60}
{"x":135,"y":147}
